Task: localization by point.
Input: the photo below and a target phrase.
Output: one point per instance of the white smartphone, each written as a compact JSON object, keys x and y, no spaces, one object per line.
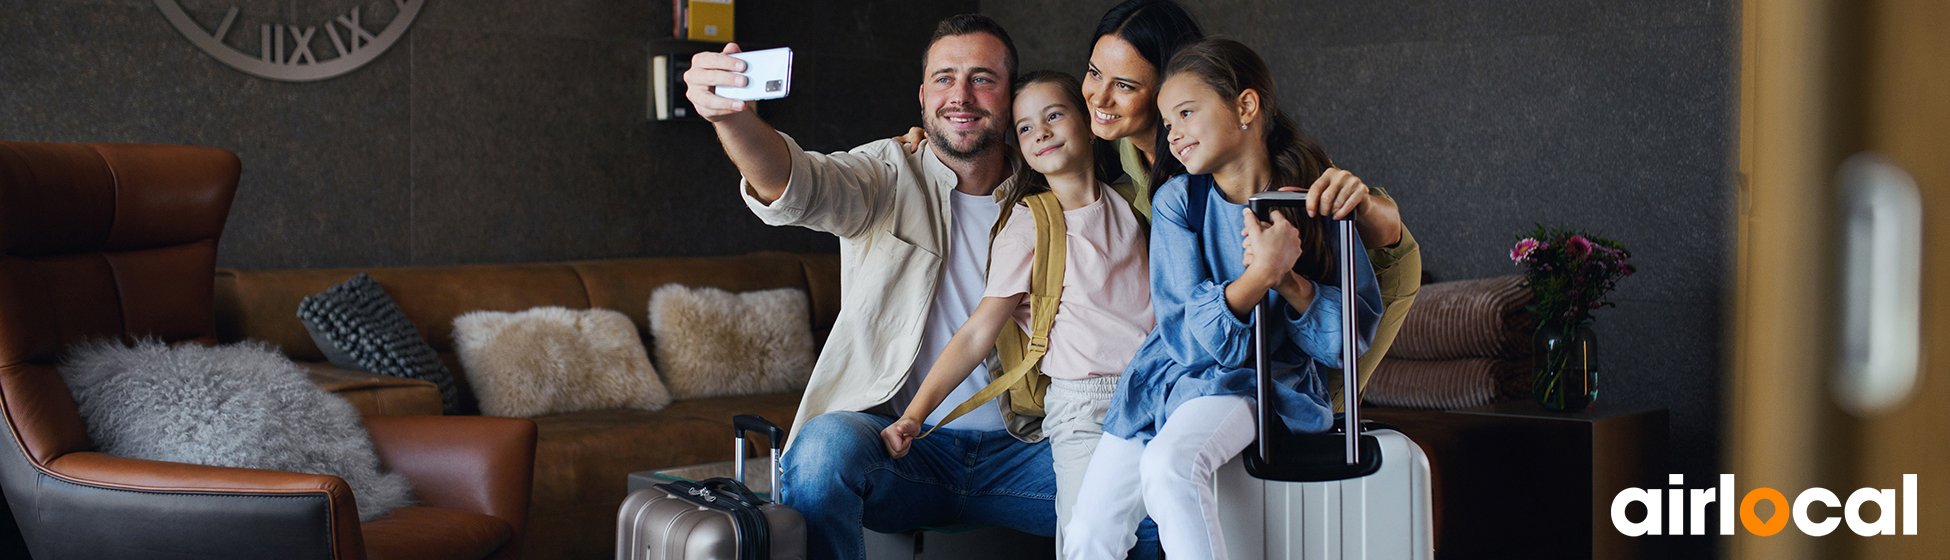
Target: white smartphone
{"x":768,"y":75}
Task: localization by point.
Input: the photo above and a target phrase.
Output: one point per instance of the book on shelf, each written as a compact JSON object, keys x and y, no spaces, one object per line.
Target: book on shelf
{"x":702,"y":20}
{"x":667,"y":100}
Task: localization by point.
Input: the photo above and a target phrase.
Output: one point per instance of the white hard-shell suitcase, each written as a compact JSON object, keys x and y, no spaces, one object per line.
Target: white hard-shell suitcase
{"x":1384,"y":515}
{"x":1338,"y":495}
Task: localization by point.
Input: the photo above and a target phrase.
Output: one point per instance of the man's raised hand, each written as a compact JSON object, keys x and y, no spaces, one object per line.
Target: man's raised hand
{"x":712,"y":69}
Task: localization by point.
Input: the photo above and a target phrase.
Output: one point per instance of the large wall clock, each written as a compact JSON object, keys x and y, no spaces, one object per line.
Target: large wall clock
{"x":286,"y":50}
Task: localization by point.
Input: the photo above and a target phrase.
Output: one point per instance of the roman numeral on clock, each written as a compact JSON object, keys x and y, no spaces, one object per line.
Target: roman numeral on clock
{"x":355,"y":45}
{"x":272,"y":39}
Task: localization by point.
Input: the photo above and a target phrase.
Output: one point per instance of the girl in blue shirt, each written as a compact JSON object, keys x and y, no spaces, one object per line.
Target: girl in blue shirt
{"x":1186,"y":404}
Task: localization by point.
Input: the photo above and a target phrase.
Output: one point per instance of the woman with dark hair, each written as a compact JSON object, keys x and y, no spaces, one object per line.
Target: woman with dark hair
{"x":1134,"y":40}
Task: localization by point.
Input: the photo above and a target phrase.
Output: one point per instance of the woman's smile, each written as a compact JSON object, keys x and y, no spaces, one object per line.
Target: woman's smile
{"x":1119,"y":90}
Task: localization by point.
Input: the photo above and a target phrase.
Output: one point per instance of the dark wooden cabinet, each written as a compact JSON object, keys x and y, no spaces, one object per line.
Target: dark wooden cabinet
{"x":1516,"y":481}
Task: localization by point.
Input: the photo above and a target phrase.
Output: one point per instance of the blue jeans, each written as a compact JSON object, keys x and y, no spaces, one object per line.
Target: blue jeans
{"x":839,"y":477}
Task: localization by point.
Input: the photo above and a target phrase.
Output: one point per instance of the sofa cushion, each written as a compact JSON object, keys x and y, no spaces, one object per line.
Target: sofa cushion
{"x":1483,"y":318}
{"x":625,"y":284}
{"x":583,"y":461}
{"x":358,"y":327}
{"x":713,"y":343}
{"x":551,"y":360}
{"x":1447,"y":384}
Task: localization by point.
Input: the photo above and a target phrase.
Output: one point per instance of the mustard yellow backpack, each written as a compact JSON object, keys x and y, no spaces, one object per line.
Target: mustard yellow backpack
{"x":1021,"y":383}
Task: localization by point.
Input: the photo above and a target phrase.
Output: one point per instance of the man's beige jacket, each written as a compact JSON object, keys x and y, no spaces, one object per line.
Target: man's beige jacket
{"x":891,"y":211}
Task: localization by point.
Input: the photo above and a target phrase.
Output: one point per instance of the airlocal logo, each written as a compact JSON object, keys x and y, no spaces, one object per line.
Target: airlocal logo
{"x":1884,"y":524}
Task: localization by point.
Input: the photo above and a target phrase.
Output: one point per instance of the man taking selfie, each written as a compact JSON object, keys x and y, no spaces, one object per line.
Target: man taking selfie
{"x":914,"y":241}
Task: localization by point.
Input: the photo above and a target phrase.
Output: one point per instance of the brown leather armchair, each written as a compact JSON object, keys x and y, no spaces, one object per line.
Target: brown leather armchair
{"x":106,"y":240}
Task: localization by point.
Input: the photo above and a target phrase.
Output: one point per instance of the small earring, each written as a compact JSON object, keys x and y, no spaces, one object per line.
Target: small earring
{"x":1243,"y":127}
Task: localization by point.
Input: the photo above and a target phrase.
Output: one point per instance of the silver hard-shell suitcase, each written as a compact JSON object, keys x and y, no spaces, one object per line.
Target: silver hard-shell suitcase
{"x":1360,"y":493}
{"x":715,"y":519}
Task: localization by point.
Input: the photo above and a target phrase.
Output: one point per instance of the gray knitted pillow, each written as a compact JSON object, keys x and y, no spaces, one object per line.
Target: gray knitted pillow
{"x":243,"y":405}
{"x":359,"y":328}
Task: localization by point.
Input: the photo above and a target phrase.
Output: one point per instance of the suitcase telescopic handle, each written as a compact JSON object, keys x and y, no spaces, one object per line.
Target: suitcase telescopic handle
{"x":1261,"y":311}
{"x":773,"y":434}
{"x":1263,"y":205}
{"x":1350,"y":351}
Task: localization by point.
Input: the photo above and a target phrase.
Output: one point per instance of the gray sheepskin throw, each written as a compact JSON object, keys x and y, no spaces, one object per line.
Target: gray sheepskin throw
{"x":553,"y":360}
{"x":239,"y":405}
{"x":714,"y":343}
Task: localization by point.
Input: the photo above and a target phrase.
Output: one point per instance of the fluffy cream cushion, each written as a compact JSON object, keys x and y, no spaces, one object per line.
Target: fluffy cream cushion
{"x":550,"y":360}
{"x":712,"y":343}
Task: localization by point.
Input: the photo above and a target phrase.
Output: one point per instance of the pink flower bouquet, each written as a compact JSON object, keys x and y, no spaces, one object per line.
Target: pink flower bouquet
{"x":1570,"y":272}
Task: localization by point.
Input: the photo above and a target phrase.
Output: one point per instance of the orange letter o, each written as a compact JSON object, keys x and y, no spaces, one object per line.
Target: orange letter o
{"x":1752,"y":522}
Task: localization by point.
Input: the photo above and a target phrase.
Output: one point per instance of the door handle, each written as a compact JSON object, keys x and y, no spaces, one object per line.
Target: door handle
{"x":1881,"y":306}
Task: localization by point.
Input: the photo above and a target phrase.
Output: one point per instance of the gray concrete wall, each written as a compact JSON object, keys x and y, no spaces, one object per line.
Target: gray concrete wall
{"x":1483,"y":117}
{"x":492,"y":132}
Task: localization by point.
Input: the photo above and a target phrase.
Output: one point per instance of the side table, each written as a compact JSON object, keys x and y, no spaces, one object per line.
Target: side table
{"x":1516,"y":481}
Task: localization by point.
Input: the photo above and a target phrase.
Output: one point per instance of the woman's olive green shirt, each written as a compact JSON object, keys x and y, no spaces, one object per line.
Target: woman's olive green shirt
{"x":1397,"y":268}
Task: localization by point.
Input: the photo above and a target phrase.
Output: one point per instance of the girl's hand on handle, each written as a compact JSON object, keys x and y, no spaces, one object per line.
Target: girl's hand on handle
{"x":1281,"y":242}
{"x":708,"y":71}
{"x":1271,"y":248}
{"x":1287,"y":282}
{"x":899,"y":436}
{"x":1337,"y":192}
{"x":912,"y":140}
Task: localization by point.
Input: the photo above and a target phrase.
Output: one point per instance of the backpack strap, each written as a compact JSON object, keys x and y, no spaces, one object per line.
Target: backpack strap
{"x":1197,"y":192}
{"x":1045,"y":290}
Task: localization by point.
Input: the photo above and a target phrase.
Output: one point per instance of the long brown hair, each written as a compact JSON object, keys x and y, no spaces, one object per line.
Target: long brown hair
{"x":1028,"y":180}
{"x":1230,"y":68}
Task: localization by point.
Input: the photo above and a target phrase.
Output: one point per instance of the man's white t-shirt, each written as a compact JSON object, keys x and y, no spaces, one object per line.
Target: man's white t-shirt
{"x":962,"y":280}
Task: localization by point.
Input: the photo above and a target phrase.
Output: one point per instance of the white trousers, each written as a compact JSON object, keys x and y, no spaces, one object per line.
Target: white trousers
{"x":1074,"y":422}
{"x":1172,"y":481}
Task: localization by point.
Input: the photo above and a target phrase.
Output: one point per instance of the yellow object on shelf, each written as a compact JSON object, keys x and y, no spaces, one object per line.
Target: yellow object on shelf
{"x":707,"y":20}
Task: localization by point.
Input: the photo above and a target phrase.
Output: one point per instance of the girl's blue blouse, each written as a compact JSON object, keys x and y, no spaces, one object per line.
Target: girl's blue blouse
{"x":1199,"y":348}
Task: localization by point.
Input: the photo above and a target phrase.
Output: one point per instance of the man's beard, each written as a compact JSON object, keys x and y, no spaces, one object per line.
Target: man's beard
{"x":987,"y":138}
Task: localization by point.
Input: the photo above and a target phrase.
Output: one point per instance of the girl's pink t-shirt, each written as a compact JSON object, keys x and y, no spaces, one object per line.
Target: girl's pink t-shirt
{"x":1106,"y":305}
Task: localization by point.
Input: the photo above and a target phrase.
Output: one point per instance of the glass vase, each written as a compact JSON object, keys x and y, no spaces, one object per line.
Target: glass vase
{"x":1566,"y":379}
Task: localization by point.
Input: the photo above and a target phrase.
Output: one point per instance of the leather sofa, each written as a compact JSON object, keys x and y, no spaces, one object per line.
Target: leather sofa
{"x":120,"y":241}
{"x":582,"y":460}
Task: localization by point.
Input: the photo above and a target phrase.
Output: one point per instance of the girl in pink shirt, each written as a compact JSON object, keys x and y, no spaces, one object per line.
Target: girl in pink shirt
{"x":1105,"y":308}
